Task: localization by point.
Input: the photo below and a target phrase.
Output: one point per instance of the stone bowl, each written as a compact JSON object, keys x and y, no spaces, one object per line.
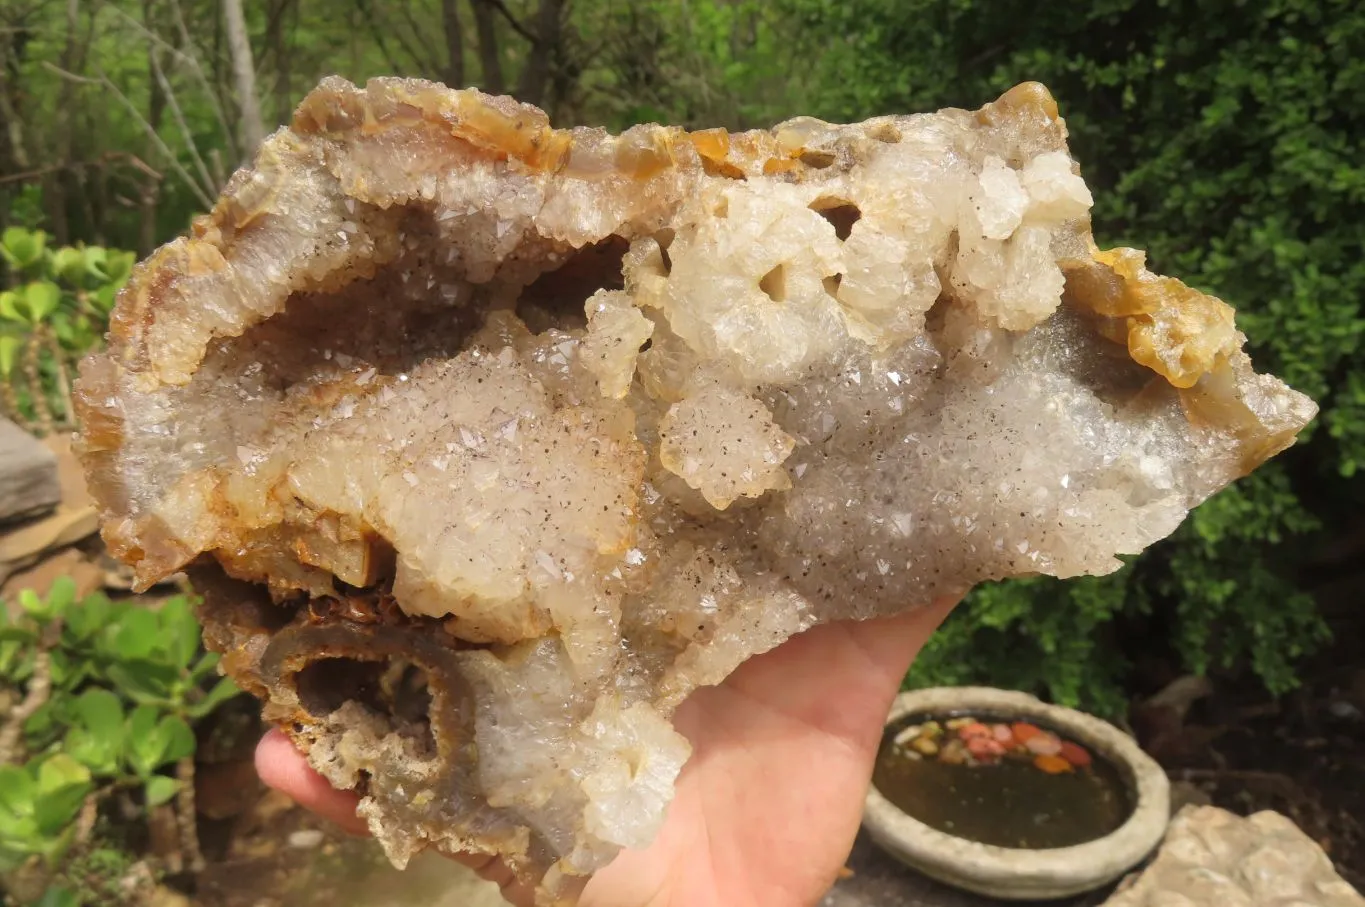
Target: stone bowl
{"x":1016,"y":873}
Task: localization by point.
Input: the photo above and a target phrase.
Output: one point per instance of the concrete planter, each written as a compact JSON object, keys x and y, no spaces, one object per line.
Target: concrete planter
{"x":1014,"y":873}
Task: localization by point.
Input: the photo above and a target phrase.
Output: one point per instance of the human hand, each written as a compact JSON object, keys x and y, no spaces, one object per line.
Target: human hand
{"x":767,"y":807}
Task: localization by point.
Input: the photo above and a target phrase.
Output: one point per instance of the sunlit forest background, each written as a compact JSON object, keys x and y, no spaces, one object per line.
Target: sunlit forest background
{"x":1224,"y":136}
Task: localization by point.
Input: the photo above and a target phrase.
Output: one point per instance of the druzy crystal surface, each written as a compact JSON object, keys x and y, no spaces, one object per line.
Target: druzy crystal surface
{"x":487,"y":442}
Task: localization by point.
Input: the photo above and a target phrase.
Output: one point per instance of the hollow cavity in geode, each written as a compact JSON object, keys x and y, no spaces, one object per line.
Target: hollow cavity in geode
{"x":488,"y":442}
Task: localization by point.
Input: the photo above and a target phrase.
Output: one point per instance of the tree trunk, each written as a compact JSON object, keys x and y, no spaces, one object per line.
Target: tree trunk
{"x":279,"y":51}
{"x":13,"y":139}
{"x":535,"y":76}
{"x":489,"y":61}
{"x":450,"y":18}
{"x":156,"y":105}
{"x":55,"y":185}
{"x":252,"y":130}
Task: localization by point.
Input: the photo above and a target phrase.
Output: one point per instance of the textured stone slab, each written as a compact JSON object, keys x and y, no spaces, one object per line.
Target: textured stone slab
{"x":28,"y":475}
{"x":1213,"y":858}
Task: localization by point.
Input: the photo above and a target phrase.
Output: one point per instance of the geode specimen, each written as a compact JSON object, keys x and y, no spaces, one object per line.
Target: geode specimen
{"x":488,"y":442}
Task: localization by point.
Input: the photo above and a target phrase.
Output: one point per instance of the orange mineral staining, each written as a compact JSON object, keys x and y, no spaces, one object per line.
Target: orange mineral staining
{"x":1053,"y":765}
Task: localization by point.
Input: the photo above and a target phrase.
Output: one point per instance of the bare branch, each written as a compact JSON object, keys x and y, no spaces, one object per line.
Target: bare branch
{"x":186,"y":816}
{"x":244,"y":78}
{"x":179,"y":117}
{"x":180,"y":56}
{"x":198,"y":71}
{"x":365,"y":11}
{"x":30,"y":174}
{"x":39,"y":689}
{"x":517,"y":27}
{"x":489,"y":62}
{"x":54,"y":349}
{"x":200,"y":194}
{"x":42,"y":410}
{"x":432,"y":56}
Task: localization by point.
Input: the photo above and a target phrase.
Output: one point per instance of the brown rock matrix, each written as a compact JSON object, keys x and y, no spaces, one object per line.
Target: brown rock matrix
{"x":488,"y":442}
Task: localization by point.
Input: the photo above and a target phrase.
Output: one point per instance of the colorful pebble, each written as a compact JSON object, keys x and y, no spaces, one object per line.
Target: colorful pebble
{"x":907,"y":734}
{"x":1044,"y":744}
{"x":973,"y":742}
{"x":985,"y":748}
{"x":1053,"y":765}
{"x":925,"y":746}
{"x":1075,"y":754}
{"x":975,"y":729}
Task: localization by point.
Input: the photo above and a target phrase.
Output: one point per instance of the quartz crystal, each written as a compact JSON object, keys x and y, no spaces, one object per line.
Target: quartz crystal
{"x":488,"y":442}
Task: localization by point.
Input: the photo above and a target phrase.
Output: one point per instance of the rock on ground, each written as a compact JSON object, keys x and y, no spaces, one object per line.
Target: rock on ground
{"x":1213,"y":858}
{"x":28,"y":474}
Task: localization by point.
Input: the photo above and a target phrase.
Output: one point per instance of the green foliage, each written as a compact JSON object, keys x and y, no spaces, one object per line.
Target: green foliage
{"x":127,"y":684}
{"x":1225,"y":139}
{"x":38,"y":804}
{"x":96,"y":877}
{"x":55,"y":313}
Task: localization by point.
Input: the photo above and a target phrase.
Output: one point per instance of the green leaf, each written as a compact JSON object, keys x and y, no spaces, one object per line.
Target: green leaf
{"x":60,"y":596}
{"x":179,"y":742}
{"x":221,"y":692}
{"x":42,"y":298}
{"x":69,"y":265}
{"x":22,"y":248}
{"x":60,"y":771}
{"x":142,"y":721}
{"x":9,"y":352}
{"x":58,"y":897}
{"x":95,"y":260}
{"x":102,"y":757}
{"x":97,"y":739}
{"x":18,"y":634}
{"x":100,"y":712}
{"x":18,"y":789}
{"x":136,"y":634}
{"x":180,"y":631}
{"x":90,"y":616}
{"x":142,"y":748}
{"x":67,"y":672}
{"x":160,"y":789}
{"x":152,"y":743}
{"x":33,"y":605}
{"x":144,"y":682}
{"x":118,"y":267}
{"x":104,"y":298}
{"x":11,"y":651}
{"x":63,"y":784}
{"x":9,"y":307}
{"x":202,"y":668}
{"x":44,"y":723}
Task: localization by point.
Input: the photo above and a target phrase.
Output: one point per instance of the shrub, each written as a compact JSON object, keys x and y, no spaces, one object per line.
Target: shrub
{"x":1224,"y":137}
{"x":102,"y":699}
{"x":55,"y":313}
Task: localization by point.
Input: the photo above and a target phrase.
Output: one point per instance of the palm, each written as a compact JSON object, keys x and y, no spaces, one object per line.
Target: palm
{"x":768,"y":804}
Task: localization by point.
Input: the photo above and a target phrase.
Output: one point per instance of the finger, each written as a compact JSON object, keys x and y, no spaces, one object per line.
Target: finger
{"x":891,"y":643}
{"x":284,"y":768}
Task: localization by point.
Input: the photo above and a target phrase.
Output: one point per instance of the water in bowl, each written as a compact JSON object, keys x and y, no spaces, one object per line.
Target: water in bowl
{"x":1007,"y":795}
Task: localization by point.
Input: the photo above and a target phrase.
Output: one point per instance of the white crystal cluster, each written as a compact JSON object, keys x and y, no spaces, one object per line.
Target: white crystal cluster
{"x":593,"y":419}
